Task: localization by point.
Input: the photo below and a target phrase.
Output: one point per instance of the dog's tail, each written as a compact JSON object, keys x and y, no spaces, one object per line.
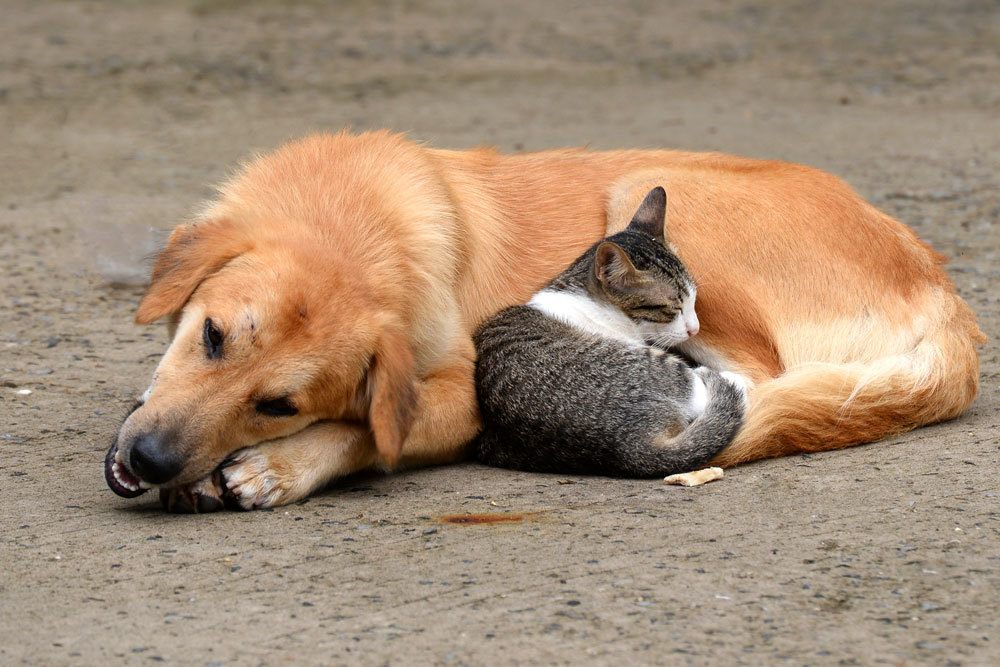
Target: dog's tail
{"x":818,"y":406}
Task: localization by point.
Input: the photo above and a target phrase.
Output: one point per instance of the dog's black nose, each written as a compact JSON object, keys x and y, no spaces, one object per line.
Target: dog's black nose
{"x":152,"y":460}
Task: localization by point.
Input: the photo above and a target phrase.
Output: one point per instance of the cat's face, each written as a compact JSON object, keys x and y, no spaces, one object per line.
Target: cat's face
{"x":643,"y":278}
{"x":682,"y":325}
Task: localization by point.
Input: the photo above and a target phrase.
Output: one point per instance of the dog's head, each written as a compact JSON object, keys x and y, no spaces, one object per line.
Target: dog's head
{"x":271,"y":333}
{"x":316,"y":287}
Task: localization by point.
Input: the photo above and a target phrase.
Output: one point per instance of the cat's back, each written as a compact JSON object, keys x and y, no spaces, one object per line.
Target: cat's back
{"x":503,"y":328}
{"x":518,"y":343}
{"x":534,"y":369}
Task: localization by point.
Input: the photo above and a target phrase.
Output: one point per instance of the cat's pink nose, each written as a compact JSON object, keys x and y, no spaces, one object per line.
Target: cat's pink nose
{"x":693,"y":327}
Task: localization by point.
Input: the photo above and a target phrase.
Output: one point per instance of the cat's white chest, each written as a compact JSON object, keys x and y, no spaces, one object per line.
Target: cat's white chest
{"x":588,"y":315}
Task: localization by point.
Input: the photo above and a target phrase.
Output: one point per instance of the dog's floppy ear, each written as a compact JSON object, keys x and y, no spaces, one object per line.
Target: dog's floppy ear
{"x":193,"y":253}
{"x":652,"y":214}
{"x":393,"y":391}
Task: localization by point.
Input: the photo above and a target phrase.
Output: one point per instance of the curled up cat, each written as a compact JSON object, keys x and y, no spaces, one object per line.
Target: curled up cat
{"x":580,"y":380}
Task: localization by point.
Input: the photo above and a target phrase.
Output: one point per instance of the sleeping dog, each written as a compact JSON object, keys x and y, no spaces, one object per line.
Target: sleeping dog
{"x":322,"y":308}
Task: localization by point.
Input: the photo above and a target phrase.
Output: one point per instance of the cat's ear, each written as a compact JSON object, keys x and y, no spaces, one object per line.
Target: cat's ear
{"x":612,"y":265}
{"x":652,"y":214}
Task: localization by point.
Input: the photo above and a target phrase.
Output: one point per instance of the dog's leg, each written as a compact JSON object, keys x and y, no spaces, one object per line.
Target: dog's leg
{"x":283,"y":471}
{"x":279,"y":471}
{"x":448,"y":418}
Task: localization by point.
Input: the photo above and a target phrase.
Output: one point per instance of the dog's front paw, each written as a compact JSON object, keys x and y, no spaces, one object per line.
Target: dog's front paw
{"x":205,"y":495}
{"x":253,"y":481}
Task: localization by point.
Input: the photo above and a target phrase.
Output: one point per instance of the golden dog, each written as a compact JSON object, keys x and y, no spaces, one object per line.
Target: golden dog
{"x":323,"y":307}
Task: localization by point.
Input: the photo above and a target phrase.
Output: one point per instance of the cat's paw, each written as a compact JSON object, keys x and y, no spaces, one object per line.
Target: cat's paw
{"x":741,"y":382}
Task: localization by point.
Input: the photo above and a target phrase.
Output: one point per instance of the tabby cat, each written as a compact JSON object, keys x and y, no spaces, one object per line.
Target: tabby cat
{"x":579,"y":380}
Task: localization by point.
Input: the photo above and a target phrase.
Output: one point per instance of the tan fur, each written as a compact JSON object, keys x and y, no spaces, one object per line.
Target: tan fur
{"x":393,"y":395}
{"x":366,"y":261}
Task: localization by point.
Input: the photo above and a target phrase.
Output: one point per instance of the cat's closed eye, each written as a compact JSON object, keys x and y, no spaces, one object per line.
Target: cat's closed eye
{"x":656,"y":313}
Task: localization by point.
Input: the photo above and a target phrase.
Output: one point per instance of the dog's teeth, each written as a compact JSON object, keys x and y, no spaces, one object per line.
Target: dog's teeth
{"x":145,"y":485}
{"x":119,"y":473}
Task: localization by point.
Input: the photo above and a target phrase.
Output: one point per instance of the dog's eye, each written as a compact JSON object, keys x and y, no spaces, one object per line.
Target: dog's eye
{"x":277,"y":407}
{"x":213,"y":340}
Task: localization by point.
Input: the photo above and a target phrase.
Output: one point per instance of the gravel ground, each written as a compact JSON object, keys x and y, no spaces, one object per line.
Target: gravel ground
{"x":117,"y":117}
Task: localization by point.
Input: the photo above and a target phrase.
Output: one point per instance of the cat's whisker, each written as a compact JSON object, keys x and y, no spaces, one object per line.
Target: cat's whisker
{"x":705,"y":279}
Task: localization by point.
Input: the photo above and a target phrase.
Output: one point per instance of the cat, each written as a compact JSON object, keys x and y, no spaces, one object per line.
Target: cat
{"x":579,"y":380}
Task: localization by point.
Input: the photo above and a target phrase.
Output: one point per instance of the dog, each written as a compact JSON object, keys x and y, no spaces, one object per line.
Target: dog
{"x":322,"y":306}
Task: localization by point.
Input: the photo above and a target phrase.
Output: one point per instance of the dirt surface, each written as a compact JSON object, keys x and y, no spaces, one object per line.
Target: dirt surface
{"x":116,"y":118}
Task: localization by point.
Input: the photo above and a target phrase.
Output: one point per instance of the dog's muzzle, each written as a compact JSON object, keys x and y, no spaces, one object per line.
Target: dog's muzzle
{"x":119,"y":478}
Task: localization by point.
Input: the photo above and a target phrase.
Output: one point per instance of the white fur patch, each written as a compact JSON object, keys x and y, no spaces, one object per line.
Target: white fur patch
{"x":740,"y":381}
{"x":699,"y":396}
{"x":589,"y":315}
{"x":688,"y":316}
